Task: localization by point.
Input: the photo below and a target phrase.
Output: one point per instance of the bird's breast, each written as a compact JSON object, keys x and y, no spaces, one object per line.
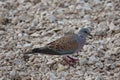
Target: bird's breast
{"x":81,"y":42}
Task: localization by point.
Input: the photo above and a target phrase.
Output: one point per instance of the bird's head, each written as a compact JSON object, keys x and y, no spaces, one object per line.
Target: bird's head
{"x":85,"y":32}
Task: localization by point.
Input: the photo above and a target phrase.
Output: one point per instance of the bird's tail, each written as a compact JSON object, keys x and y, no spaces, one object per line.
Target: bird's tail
{"x":42,"y":50}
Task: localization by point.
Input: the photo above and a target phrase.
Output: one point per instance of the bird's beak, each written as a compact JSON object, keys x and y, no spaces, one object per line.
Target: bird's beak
{"x":90,"y":36}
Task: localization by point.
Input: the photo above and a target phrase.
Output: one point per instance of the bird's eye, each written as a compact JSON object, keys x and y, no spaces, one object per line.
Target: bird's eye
{"x":85,"y":31}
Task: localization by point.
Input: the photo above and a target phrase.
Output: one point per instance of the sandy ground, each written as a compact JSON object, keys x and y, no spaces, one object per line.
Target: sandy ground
{"x":26,"y":24}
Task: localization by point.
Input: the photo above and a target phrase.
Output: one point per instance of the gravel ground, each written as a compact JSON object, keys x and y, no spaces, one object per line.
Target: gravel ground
{"x":26,"y":24}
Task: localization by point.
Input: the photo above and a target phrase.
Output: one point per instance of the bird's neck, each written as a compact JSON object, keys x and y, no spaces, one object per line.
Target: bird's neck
{"x":81,"y":35}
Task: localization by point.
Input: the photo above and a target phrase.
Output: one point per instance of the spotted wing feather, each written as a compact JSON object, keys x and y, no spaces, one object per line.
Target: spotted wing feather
{"x":65,"y":45}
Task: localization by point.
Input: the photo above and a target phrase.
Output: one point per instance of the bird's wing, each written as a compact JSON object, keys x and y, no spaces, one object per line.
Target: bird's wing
{"x":67,"y":44}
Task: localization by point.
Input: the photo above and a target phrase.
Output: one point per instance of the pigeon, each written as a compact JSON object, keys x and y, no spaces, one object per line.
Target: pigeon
{"x":66,"y":45}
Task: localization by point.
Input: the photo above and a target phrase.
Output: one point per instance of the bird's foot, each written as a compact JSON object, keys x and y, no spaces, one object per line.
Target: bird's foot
{"x":70,"y":61}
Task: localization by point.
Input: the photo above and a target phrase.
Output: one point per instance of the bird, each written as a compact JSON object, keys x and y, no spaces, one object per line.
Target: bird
{"x":66,"y":45}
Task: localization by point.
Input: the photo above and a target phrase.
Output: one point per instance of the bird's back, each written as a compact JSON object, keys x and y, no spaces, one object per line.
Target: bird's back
{"x":65,"y":45}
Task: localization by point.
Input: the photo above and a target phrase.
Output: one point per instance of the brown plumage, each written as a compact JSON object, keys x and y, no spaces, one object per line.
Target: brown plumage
{"x":68,"y":44}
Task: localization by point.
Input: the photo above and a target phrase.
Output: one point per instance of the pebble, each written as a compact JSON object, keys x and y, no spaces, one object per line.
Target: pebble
{"x":92,"y":59}
{"x":52,"y":18}
{"x":112,"y":27}
{"x":97,"y":1}
{"x":78,"y":7}
{"x":13,"y":73}
{"x":99,"y":65}
{"x":50,"y":62}
{"x":35,"y":35}
{"x":87,"y":6}
{"x":52,"y":76}
{"x":82,"y":61}
{"x":15,"y":20}
{"x":116,"y":51}
{"x":115,"y":40}
{"x":102,"y":29}
{"x":61,"y":68}
{"x":27,"y":45}
{"x":20,"y":35}
{"x":117,"y":64}
{"x":19,"y":45}
{"x":99,"y":78}
{"x":2,"y":32}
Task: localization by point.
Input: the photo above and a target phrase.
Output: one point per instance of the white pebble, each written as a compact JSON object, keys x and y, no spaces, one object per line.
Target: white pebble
{"x":82,"y":61}
{"x":2,"y":32}
{"x":27,"y":45}
{"x":92,"y":59}
{"x":35,"y":35}
{"x":13,"y":73}
{"x":52,"y":18}
{"x":20,"y":35}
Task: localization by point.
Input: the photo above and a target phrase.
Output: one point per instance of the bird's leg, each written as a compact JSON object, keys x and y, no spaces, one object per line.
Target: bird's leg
{"x":72,"y":59}
{"x":69,"y":60}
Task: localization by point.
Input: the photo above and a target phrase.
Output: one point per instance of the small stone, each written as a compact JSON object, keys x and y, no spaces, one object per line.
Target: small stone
{"x":71,"y":7}
{"x":102,"y":29}
{"x":22,"y":73}
{"x":52,"y":18}
{"x":99,"y":65}
{"x":7,"y":68}
{"x":15,"y":20}
{"x":2,"y":78}
{"x":2,"y":32}
{"x":116,"y":51}
{"x":110,"y":66}
{"x":61,"y":22}
{"x":82,"y":61}
{"x":50,"y":61}
{"x":88,"y":78}
{"x":13,"y":73}
{"x":20,"y":35}
{"x":25,"y":34}
{"x":60,"y":10}
{"x":78,"y":1}
{"x":87,"y":17}
{"x":36,"y":46}
{"x":87,"y":6}
{"x":92,"y":59}
{"x":113,"y":27}
{"x":35,"y":1}
{"x":117,"y":64}
{"x":25,"y":17}
{"x":35,"y":35}
{"x":19,"y":45}
{"x":109,"y":6}
{"x":17,"y":62}
{"x":69,"y":76}
{"x":53,"y":76}
{"x":99,"y":78}
{"x":61,"y":68}
{"x":78,"y":7}
{"x":69,"y":31}
{"x":27,"y":45}
{"x":116,"y":40}
{"x":2,"y":1}
{"x":21,"y":1}
{"x":102,"y":42}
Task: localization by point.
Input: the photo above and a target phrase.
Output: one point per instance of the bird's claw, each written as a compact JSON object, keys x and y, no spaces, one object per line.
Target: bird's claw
{"x":70,"y":61}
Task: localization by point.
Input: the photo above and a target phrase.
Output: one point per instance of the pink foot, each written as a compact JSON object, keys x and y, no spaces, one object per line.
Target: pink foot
{"x":70,"y":61}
